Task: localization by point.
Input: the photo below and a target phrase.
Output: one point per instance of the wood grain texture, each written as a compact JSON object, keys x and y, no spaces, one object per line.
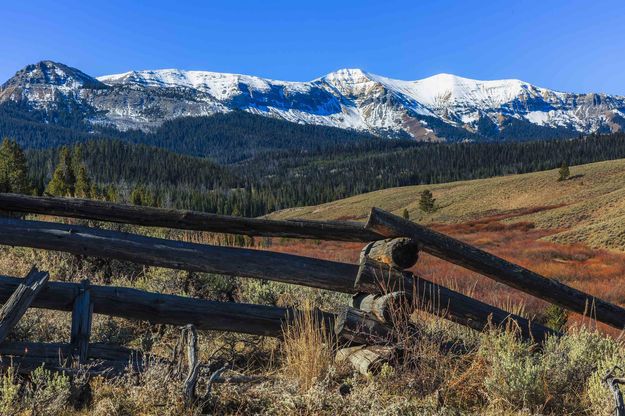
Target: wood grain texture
{"x":401,"y":253}
{"x":355,"y":326}
{"x":20,"y":300}
{"x":366,"y":359}
{"x":81,"y":322}
{"x":382,"y":306}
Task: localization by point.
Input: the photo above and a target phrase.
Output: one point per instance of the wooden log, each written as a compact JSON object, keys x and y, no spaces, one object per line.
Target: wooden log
{"x":359,"y":327}
{"x":81,"y":323}
{"x":382,"y":306}
{"x":20,"y":300}
{"x":62,"y":351}
{"x":185,"y":220}
{"x":378,"y":278}
{"x":150,"y":251}
{"x":188,"y":388}
{"x":165,"y":309}
{"x":497,"y":268}
{"x":375,"y":277}
{"x":401,"y":253}
{"x":366,"y":359}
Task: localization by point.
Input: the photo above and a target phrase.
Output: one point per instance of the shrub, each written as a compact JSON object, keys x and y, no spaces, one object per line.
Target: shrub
{"x":9,"y":392}
{"x":48,"y":392}
{"x":514,"y":379}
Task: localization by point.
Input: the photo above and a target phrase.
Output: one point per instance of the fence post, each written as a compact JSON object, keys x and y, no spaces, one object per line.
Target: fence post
{"x":20,"y":300}
{"x":81,"y":323}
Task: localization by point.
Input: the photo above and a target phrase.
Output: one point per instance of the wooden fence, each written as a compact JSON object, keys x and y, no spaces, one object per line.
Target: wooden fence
{"x":380,"y":284}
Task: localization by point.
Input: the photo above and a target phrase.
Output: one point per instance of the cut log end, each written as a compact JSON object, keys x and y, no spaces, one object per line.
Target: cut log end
{"x":400,"y":253}
{"x":366,"y":359}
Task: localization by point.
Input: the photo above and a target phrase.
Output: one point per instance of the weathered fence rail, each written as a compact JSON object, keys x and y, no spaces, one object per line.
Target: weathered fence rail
{"x":179,"y":255}
{"x":160,"y":308}
{"x":185,"y":220}
{"x":379,"y":273}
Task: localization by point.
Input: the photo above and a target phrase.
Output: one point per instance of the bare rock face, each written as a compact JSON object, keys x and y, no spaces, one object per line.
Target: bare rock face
{"x":439,"y":108}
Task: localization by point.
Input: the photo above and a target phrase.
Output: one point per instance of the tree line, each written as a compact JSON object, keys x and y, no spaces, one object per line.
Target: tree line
{"x":145,"y":175}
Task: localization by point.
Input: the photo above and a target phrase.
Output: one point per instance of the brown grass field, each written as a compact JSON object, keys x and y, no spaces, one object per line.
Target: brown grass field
{"x":571,"y":231}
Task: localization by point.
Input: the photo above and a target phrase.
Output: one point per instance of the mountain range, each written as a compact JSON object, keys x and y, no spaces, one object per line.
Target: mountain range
{"x":443,"y":107}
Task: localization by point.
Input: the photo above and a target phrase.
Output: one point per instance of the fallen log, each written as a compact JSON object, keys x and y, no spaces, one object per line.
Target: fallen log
{"x":185,"y":220}
{"x":62,"y":351}
{"x":359,"y":327}
{"x":366,"y":359}
{"x":165,"y":309}
{"x":17,"y":304}
{"x":374,"y":278}
{"x":384,"y":307}
{"x":151,"y":251}
{"x":401,"y":253}
{"x":498,"y":269}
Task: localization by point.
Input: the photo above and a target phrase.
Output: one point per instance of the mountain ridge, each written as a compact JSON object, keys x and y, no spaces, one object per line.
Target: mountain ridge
{"x":443,"y":107}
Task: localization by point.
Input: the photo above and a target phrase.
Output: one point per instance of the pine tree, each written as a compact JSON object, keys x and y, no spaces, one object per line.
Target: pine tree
{"x":82,"y":189}
{"x":13,"y":168}
{"x":83,"y":185}
{"x":406,"y":214}
{"x":142,"y":196}
{"x":136,"y":197}
{"x":427,"y":201}
{"x":110,"y":194}
{"x":564,"y":172}
{"x":63,"y":179}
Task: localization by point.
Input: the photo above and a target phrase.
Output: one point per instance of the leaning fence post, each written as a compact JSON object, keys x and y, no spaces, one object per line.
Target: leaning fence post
{"x":81,"y":323}
{"x":20,"y":300}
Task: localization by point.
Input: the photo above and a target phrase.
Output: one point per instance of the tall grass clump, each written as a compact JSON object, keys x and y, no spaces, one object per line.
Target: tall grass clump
{"x":307,"y":347}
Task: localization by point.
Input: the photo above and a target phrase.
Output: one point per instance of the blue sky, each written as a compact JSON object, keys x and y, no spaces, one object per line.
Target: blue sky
{"x":570,"y":45}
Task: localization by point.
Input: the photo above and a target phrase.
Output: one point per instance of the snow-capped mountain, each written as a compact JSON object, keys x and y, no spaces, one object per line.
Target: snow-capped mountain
{"x":441,"y":107}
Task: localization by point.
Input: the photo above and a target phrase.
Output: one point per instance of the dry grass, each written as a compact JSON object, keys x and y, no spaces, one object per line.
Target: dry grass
{"x":307,"y":348}
{"x":587,"y":209}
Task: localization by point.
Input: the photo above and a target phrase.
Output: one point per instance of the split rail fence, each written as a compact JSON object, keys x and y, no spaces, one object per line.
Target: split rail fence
{"x":381,"y":286}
